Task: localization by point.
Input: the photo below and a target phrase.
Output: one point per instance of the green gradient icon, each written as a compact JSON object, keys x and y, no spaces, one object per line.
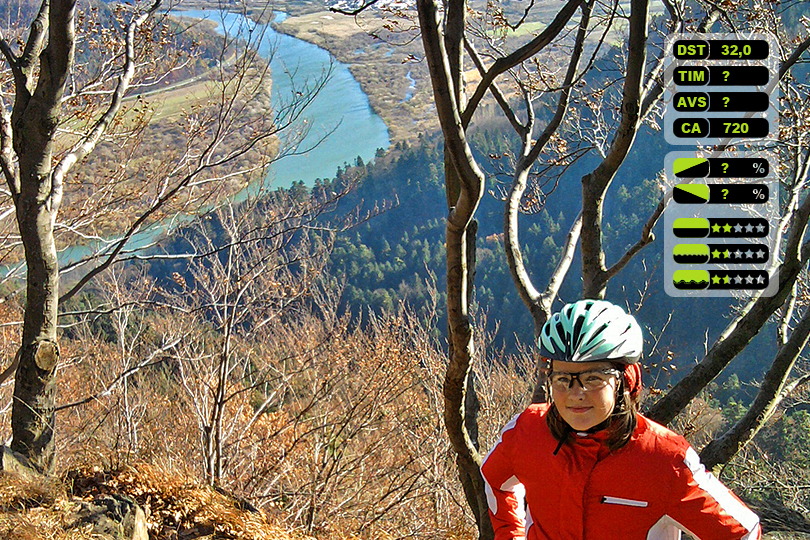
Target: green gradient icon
{"x":691,"y":227}
{"x":691,"y":253}
{"x":691,"y":167}
{"x":690,"y":279}
{"x":691,"y":193}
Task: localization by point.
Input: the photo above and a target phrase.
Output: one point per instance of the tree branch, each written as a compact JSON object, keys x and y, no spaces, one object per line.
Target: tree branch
{"x":7,"y":152}
{"x":11,"y":58}
{"x":447,"y":108}
{"x":352,"y":12}
{"x":503,"y":64}
{"x":567,"y":86}
{"x":770,"y":395}
{"x":496,"y":92}
{"x":793,"y":58}
{"x":539,"y":305}
{"x":57,"y":57}
{"x":149,"y":361}
{"x":36,"y":37}
{"x":647,"y":237}
{"x":463,"y":174}
{"x":89,"y":142}
{"x":561,"y":270}
{"x":595,"y":184}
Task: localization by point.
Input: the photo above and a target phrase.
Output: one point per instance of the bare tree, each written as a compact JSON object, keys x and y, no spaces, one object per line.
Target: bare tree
{"x":543,"y":84}
{"x":61,"y":113}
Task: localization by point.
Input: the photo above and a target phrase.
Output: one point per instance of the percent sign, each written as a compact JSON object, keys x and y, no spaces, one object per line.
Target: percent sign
{"x":760,"y":168}
{"x":759,"y":194}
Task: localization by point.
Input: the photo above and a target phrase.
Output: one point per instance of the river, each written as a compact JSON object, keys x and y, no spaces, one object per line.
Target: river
{"x":340,"y":111}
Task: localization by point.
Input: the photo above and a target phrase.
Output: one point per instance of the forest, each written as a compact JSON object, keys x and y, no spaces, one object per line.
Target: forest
{"x":332,"y":360}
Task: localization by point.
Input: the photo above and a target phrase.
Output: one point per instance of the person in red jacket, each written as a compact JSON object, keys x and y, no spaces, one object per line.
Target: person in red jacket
{"x":587,"y":465}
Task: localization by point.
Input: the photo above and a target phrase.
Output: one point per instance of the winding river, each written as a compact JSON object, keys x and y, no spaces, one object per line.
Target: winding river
{"x":340,"y":112}
{"x":340,"y":115}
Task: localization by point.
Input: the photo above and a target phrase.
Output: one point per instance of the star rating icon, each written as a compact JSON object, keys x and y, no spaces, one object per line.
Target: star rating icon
{"x":716,"y":228}
{"x":719,"y":279}
{"x":738,"y":228}
{"x":727,"y":228}
{"x":760,"y":228}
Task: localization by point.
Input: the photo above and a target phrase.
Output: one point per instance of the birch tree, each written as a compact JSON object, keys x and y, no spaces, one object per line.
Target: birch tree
{"x":57,"y":117}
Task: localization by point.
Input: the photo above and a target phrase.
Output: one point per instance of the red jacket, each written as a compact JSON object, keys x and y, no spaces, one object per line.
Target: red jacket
{"x":652,"y":488}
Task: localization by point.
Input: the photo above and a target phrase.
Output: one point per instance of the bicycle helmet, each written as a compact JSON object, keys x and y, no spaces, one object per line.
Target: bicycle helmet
{"x":591,"y":331}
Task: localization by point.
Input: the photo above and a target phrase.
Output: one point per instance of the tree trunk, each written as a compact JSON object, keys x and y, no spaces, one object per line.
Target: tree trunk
{"x":33,"y":407}
{"x":34,"y":122}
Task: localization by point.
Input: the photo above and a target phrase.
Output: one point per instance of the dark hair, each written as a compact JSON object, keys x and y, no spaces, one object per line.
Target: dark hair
{"x":620,"y":424}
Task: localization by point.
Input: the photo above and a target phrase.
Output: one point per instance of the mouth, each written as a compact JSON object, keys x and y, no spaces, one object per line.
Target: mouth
{"x":579,"y":410}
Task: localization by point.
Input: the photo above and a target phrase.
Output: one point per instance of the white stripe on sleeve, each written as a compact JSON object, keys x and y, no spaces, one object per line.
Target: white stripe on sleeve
{"x":492,"y":501}
{"x":709,"y":483}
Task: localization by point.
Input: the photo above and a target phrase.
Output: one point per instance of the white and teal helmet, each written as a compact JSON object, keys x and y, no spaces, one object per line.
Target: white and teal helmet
{"x":591,"y":331}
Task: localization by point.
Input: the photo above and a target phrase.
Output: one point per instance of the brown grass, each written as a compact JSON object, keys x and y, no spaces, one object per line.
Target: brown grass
{"x":36,"y":510}
{"x":174,"y":504}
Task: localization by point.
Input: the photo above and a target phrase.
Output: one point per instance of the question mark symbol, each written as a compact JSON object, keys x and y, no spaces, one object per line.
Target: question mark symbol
{"x":725,"y":76}
{"x":725,"y":191}
{"x":726,"y":99}
{"x":725,"y":167}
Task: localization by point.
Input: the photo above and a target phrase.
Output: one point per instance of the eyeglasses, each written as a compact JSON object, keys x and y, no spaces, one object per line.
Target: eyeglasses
{"x":588,"y":380}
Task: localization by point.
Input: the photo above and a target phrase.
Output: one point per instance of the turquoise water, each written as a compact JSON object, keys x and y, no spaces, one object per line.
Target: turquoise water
{"x":341,"y":112}
{"x":340,"y":115}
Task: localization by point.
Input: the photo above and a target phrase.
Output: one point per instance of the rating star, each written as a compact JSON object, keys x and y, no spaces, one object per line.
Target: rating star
{"x":760,"y":280}
{"x":749,"y":280}
{"x":749,"y":254}
{"x":749,"y":228}
{"x":738,"y":280}
{"x":760,"y":254}
{"x":716,"y":280}
{"x":726,"y":254}
{"x":738,"y":254}
{"x":727,"y":228}
{"x":716,"y":227}
{"x":760,"y":228}
{"x":726,"y":280}
{"x":716,"y":253}
{"x":738,"y":228}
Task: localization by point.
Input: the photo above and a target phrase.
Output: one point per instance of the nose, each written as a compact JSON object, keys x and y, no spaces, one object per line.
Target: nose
{"x":576,"y":390}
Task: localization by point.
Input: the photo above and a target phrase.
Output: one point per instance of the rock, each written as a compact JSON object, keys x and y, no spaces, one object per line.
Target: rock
{"x":115,"y":517}
{"x":18,"y":464}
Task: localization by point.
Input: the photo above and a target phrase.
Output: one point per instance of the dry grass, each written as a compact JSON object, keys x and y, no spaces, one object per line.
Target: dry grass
{"x":36,"y":510}
{"x":174,"y":505}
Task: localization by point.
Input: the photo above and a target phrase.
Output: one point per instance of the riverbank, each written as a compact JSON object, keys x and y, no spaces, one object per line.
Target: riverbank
{"x":390,"y":72}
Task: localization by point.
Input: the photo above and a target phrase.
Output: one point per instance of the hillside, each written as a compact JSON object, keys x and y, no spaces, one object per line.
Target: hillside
{"x":137,"y":500}
{"x":274,"y":365}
